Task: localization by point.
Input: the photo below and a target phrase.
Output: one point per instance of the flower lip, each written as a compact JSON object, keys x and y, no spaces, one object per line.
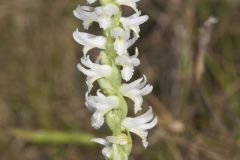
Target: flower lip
{"x":128,"y":63}
{"x":122,"y":40}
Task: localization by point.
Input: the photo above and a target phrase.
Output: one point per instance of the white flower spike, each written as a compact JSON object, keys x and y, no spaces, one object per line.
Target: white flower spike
{"x":113,"y":65}
{"x":135,"y":90}
{"x":94,"y":72}
{"x":100,"y":105}
{"x":89,"y":41}
{"x":128,"y":63}
{"x":139,"y":125}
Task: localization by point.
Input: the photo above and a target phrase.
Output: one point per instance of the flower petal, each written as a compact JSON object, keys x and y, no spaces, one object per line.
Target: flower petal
{"x":107,"y":151}
{"x":91,"y":1}
{"x":132,"y":22}
{"x":88,"y":40}
{"x":100,"y":141}
{"x":130,"y":3}
{"x":86,"y":14}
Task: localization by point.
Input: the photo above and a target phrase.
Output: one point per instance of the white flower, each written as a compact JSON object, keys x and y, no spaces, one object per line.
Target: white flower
{"x":139,"y":125}
{"x":128,"y":63}
{"x":105,"y":14}
{"x":89,"y":41}
{"x":100,"y":105}
{"x":86,"y":14}
{"x":132,"y":22}
{"x":109,"y":142}
{"x":94,"y":72}
{"x":135,"y":91}
{"x":107,"y":150}
{"x":122,"y":41}
{"x":130,"y":3}
{"x":102,"y":15}
{"x":91,"y":1}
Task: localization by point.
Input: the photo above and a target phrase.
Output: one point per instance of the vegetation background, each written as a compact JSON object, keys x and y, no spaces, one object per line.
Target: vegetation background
{"x":192,"y":61}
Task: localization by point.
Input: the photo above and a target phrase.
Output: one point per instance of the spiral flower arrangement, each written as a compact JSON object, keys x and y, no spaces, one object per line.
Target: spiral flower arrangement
{"x":112,"y":71}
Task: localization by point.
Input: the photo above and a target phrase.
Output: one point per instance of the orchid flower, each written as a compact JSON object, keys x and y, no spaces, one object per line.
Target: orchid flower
{"x":135,"y":90}
{"x":86,"y":14}
{"x":128,"y":63}
{"x":139,"y":125}
{"x":130,"y":3}
{"x":107,"y":150}
{"x":109,"y":143}
{"x":102,"y":15}
{"x":89,"y":41}
{"x":132,"y":22}
{"x":94,"y":72}
{"x":105,"y":14}
{"x":100,"y":105}
{"x":122,"y":41}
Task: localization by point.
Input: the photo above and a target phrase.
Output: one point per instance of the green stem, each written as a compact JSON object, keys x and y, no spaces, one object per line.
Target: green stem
{"x":52,"y":137}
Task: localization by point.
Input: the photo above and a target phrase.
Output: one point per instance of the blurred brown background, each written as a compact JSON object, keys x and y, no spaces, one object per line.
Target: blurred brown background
{"x":192,"y":61}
